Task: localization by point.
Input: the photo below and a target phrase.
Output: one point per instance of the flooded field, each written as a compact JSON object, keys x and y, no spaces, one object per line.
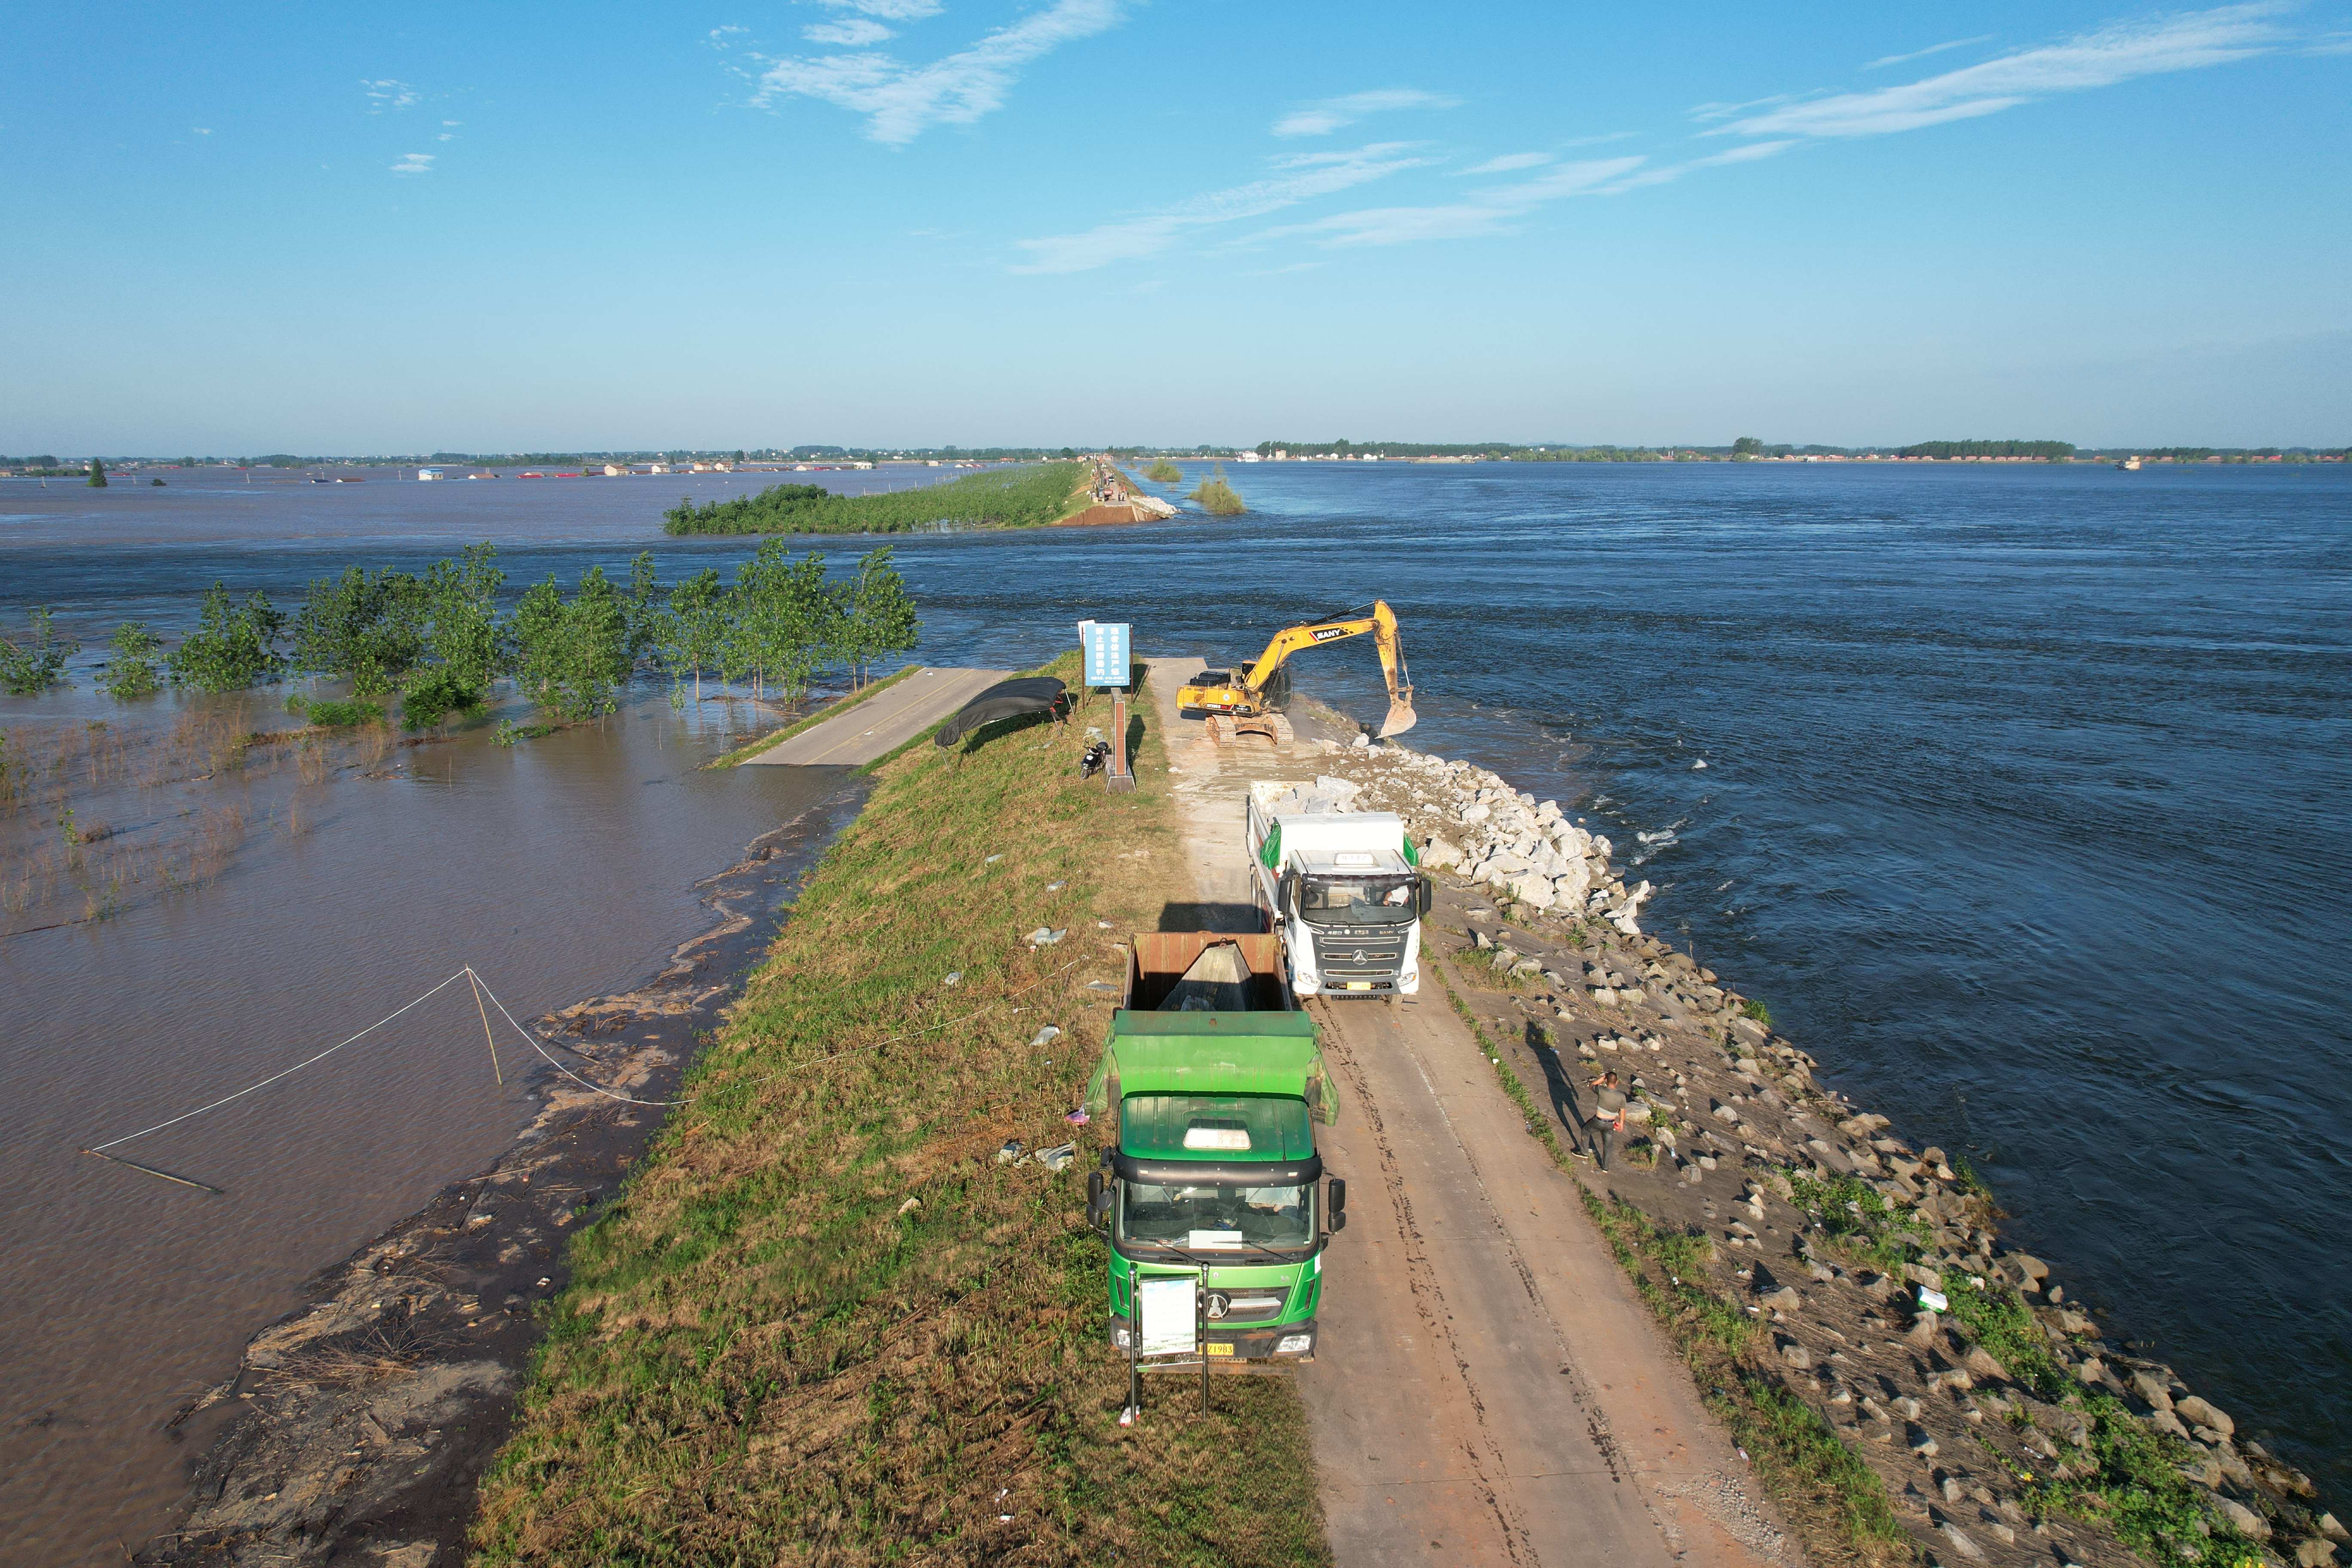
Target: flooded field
{"x":235,"y":909}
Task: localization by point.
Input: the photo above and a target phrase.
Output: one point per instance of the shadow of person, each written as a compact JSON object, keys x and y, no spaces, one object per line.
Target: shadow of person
{"x":1558,"y":1085}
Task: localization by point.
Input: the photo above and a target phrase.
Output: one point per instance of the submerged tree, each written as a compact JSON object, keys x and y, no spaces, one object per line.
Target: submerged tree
{"x":38,"y":663}
{"x":132,"y":668}
{"x":366,"y":627}
{"x":877,"y":615}
{"x":232,"y":647}
{"x":786,"y":621}
{"x":463,"y":645}
{"x":97,"y":475}
{"x":570,"y":655}
{"x":696,"y":626}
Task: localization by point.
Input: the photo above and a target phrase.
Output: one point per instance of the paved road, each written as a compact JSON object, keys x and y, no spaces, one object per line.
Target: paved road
{"x":883,"y":722}
{"x":1487,"y":1388}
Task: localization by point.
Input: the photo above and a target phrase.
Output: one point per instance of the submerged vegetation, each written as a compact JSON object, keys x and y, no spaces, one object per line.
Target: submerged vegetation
{"x":1217,"y":498}
{"x":1164,"y":472}
{"x":1003,"y":497}
{"x":823,"y":1321}
{"x":437,"y":643}
{"x":35,"y":664}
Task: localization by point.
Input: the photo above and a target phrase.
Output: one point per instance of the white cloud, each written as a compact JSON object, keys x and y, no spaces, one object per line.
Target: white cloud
{"x":890,"y":10}
{"x":901,"y":102}
{"x":1753,"y":153}
{"x":1885,"y":61}
{"x":855,"y":31}
{"x":414,"y":164}
{"x":1300,"y":179}
{"x":203,"y":131}
{"x":1490,"y":211}
{"x":1336,"y":113}
{"x":2113,"y":54}
{"x":1508,"y":162}
{"x":386,"y":93}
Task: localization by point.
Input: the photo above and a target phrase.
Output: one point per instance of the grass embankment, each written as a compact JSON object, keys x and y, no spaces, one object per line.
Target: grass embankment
{"x":751,"y":748}
{"x":1024,"y":497}
{"x":823,"y":1324}
{"x":1834,"y":1500}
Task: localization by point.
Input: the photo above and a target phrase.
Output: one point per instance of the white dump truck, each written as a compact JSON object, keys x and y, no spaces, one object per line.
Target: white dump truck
{"x":1342,"y":888}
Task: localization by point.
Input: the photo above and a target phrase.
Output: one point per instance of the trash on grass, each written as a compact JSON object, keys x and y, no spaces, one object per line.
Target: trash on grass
{"x":1046,"y":1036}
{"x":1010,"y":1152}
{"x":1934,"y":1300}
{"x":1078,"y":1118}
{"x":992,"y":860}
{"x":910,"y":1205}
{"x":1046,"y":936}
{"x":1057,"y":1158}
{"x":955,"y":977}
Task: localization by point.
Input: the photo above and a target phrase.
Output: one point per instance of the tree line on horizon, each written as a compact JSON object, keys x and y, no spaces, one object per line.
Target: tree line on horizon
{"x":438,"y":642}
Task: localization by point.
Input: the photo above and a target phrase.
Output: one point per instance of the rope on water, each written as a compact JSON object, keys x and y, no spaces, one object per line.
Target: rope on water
{"x":273,"y":1078}
{"x":468,"y":974}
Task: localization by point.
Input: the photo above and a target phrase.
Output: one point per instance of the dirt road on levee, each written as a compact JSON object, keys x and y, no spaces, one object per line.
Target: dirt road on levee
{"x":1487,"y":1388}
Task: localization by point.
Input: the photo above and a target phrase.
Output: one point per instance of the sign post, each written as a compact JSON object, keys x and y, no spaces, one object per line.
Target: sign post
{"x":1109,"y":649}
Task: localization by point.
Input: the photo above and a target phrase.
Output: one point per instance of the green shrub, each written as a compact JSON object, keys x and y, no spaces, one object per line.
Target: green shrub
{"x":333,"y":715}
{"x":37,"y":664}
{"x":234,"y":646}
{"x":1164,"y":472}
{"x":1217,"y":498}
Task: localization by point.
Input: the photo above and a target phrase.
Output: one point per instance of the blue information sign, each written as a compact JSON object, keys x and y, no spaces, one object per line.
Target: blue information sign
{"x":1109,"y":659}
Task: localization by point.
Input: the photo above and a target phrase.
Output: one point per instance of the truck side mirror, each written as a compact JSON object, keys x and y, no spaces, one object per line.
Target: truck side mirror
{"x":1339,"y":1198}
{"x":1098,"y":1202}
{"x":1424,"y":896}
{"x":1289,"y":890}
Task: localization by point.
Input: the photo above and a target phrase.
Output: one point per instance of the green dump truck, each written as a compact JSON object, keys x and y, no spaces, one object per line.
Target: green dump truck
{"x":1214,"y":1079}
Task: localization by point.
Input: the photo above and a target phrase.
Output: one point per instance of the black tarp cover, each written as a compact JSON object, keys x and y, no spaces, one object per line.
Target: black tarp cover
{"x":1005,"y":700}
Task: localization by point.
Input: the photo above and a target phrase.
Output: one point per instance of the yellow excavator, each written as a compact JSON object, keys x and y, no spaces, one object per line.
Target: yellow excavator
{"x":1244,"y":699}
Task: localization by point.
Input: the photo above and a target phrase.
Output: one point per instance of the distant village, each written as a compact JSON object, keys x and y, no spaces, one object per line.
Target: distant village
{"x":443,"y":466}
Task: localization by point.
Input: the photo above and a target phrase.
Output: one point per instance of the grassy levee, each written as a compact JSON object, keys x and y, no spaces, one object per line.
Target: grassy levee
{"x":1028,"y":495}
{"x":823,"y":1324}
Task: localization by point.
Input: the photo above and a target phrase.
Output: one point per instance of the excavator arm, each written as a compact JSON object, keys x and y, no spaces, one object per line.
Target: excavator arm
{"x":1380,"y":621}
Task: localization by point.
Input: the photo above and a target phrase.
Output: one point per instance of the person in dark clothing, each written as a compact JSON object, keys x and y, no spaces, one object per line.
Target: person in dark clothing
{"x":1608,"y":1119}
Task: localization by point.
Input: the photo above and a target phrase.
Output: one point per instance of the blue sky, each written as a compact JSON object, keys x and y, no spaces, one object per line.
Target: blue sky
{"x":242,"y":229}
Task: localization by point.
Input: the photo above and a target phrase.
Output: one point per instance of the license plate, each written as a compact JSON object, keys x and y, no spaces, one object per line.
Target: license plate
{"x":1359,"y":985}
{"x":1216,"y":1349}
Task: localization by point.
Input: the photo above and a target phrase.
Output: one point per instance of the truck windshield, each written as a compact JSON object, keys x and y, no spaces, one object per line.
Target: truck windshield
{"x":1357,"y":900}
{"x":1214,"y":1215}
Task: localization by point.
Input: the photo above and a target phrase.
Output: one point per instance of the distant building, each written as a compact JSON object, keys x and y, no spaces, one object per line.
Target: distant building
{"x":431,"y":474}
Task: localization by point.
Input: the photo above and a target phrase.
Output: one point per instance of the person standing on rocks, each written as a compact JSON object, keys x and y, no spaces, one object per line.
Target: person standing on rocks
{"x":1607,"y":1117}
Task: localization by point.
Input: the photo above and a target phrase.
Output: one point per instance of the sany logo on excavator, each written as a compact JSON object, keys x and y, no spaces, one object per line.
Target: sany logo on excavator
{"x":1324,"y":634}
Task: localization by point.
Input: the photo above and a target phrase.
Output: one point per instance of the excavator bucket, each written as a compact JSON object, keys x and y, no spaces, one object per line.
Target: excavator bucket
{"x":1401,"y":717}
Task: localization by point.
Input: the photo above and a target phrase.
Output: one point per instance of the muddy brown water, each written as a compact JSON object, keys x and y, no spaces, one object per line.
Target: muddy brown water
{"x":559,"y":870}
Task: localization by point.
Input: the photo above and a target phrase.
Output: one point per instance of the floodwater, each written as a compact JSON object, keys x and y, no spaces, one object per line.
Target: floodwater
{"x":2023,"y":805}
{"x":561,"y":869}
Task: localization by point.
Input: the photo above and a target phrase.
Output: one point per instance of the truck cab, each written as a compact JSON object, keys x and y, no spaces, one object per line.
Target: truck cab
{"x":1344,"y":890}
{"x":1213,"y":1172}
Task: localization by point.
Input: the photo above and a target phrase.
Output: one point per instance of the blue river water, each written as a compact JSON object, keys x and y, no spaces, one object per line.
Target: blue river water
{"x":2023,"y":805}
